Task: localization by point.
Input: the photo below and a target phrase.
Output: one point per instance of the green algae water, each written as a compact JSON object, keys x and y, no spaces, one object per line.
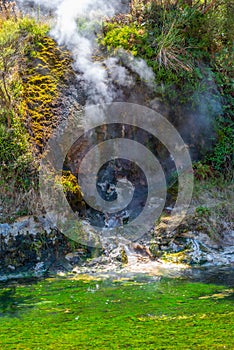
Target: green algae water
{"x":123,"y":313}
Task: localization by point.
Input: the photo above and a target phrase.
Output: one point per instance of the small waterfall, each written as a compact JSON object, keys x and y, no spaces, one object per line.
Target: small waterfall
{"x":131,"y":257}
{"x":136,"y":253}
{"x":196,"y":252}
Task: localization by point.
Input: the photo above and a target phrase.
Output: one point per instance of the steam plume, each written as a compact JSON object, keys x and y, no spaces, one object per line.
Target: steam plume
{"x":76,"y":25}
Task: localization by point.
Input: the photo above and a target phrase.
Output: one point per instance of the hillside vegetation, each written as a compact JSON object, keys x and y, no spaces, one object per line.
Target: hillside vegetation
{"x":32,"y":71}
{"x":187,"y":45}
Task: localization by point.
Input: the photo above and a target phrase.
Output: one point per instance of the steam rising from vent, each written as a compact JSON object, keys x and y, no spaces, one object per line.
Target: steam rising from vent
{"x":77,"y":23}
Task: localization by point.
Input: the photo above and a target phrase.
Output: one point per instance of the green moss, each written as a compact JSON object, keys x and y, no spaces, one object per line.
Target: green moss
{"x":89,"y":313}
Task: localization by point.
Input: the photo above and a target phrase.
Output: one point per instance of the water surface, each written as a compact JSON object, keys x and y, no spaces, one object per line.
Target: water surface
{"x":131,"y":312}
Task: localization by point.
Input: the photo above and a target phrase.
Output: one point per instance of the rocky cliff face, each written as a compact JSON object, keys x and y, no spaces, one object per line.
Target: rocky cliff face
{"x":53,"y":90}
{"x":33,"y":246}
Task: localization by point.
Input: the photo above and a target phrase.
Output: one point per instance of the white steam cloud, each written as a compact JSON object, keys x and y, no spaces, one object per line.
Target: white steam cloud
{"x":76,"y":25}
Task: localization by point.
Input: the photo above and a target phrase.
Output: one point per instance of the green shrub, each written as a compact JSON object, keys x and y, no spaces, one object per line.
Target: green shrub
{"x":202,"y":211}
{"x":27,"y":98}
{"x":222,"y":156}
{"x":190,"y":49}
{"x":128,"y":37}
{"x":202,"y":171}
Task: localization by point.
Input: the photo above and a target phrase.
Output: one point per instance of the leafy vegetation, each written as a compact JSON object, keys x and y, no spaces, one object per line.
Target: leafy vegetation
{"x":190,"y":49}
{"x":188,"y":45}
{"x":32,"y":69}
{"x":17,"y":168}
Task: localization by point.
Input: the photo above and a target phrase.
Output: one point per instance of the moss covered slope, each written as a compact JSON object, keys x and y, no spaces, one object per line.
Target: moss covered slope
{"x":33,"y":70}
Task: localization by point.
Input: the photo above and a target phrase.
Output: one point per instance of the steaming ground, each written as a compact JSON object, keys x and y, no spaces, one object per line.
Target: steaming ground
{"x":76,"y":26}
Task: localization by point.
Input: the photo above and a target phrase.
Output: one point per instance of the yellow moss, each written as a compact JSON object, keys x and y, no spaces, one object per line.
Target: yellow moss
{"x":45,"y":70}
{"x":124,"y":257}
{"x":69,"y":182}
{"x":176,"y":258}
